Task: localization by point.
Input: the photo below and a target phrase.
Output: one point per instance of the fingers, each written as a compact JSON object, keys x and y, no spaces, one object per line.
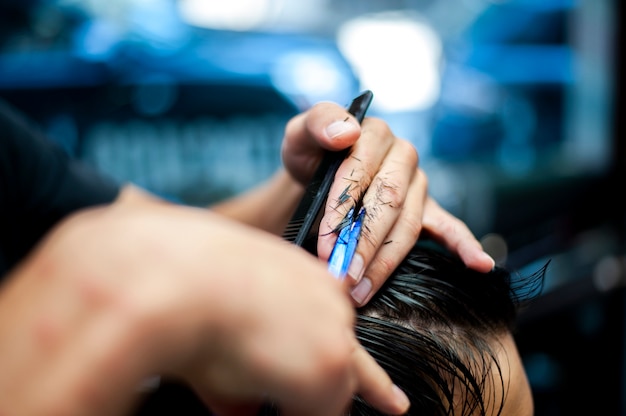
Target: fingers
{"x":456,"y":236}
{"x":376,"y":387}
{"x":353,"y":179}
{"x":325,"y":126}
{"x":396,"y":244}
{"x":364,"y":377}
{"x":381,"y":172}
{"x":420,"y":214}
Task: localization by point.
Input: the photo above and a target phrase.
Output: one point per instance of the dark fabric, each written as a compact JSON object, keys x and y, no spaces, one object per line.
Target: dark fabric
{"x":39,"y":185}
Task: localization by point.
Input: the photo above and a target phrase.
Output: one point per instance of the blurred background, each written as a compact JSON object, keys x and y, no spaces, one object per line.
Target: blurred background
{"x":515,"y":106}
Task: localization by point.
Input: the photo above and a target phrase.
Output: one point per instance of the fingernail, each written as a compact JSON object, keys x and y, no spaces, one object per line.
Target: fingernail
{"x":339,"y":127}
{"x":402,"y":399}
{"x":355,"y":271}
{"x":362,"y":290}
{"x":487,"y":257}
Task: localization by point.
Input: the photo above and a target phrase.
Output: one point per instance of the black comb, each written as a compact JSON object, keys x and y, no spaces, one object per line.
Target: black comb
{"x":304,"y":225}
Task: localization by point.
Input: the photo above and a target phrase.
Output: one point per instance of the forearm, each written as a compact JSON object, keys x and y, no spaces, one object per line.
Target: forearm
{"x":268,"y":206}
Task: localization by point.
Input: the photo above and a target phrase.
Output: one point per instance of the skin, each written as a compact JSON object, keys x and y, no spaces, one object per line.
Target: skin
{"x":517,"y":391}
{"x":118,"y":293}
{"x":393,"y":189}
{"x":81,"y":329}
{"x":507,"y":390}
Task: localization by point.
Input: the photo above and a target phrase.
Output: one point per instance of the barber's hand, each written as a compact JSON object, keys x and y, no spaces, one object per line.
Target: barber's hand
{"x":120,"y":293}
{"x":382,"y":171}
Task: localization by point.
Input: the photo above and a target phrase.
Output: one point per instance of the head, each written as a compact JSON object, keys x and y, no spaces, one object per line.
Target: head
{"x":444,"y":334}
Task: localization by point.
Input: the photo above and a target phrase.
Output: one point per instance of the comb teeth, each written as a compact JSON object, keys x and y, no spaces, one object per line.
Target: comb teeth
{"x":303,"y":227}
{"x":292,"y":230}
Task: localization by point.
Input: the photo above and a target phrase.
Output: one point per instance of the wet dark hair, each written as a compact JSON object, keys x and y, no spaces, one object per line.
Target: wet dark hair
{"x":432,"y":327}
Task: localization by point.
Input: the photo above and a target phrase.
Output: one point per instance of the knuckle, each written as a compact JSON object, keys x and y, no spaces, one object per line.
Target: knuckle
{"x":337,"y":358}
{"x":379,"y":128}
{"x":377,"y":124}
{"x":291,"y":125}
{"x":447,"y":226}
{"x":332,"y":362}
{"x":389,"y":193}
{"x":384,"y":265}
{"x":412,"y":223}
{"x":409,"y":151}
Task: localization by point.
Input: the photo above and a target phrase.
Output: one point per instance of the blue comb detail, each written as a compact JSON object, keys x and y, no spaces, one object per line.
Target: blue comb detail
{"x":345,"y":247}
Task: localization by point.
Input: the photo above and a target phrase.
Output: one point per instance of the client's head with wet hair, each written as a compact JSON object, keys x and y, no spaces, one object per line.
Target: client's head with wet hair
{"x":444,"y":334}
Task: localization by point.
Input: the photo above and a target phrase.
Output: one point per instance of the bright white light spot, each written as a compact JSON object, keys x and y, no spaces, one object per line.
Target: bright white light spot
{"x":228,"y":15}
{"x":395,"y":55}
{"x":315,"y":76}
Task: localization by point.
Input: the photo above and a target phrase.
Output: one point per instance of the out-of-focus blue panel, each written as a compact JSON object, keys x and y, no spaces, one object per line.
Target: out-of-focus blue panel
{"x":545,"y":4}
{"x":527,"y":64}
{"x":48,"y":69}
{"x":520,"y":22}
{"x":208,"y":57}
